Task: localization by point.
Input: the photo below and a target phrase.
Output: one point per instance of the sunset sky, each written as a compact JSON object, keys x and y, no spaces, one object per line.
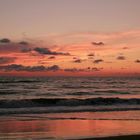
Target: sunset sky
{"x":70,"y":37}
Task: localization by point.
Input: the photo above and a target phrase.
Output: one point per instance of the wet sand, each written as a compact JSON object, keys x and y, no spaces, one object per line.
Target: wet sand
{"x":86,"y":126}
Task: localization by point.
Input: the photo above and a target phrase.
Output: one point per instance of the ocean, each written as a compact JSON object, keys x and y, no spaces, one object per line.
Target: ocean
{"x":29,"y":95}
{"x":43,"y":102}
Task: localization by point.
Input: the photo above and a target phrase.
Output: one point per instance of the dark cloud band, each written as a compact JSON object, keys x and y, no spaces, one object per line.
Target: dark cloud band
{"x":15,"y":67}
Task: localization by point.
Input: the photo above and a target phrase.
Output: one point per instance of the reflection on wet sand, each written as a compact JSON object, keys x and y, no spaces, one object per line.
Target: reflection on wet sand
{"x":67,"y":128}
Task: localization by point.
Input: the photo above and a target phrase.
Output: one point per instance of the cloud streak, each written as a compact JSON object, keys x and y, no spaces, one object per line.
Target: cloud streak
{"x":77,"y":61}
{"x":16,"y":67}
{"x":46,"y":51}
{"x":5,"y":40}
{"x":24,"y":43}
{"x":97,"y":61}
{"x":137,"y":61}
{"x":121,"y":58}
{"x":7,"y":60}
{"x":98,"y":43}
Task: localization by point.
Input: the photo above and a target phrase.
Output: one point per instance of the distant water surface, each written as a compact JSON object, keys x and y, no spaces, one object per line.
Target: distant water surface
{"x":68,"y":87}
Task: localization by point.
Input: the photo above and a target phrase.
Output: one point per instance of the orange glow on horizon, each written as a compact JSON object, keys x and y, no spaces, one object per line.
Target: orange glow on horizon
{"x":118,"y":54}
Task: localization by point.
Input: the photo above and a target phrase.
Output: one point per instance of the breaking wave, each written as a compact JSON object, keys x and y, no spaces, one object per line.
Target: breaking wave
{"x":43,"y":102}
